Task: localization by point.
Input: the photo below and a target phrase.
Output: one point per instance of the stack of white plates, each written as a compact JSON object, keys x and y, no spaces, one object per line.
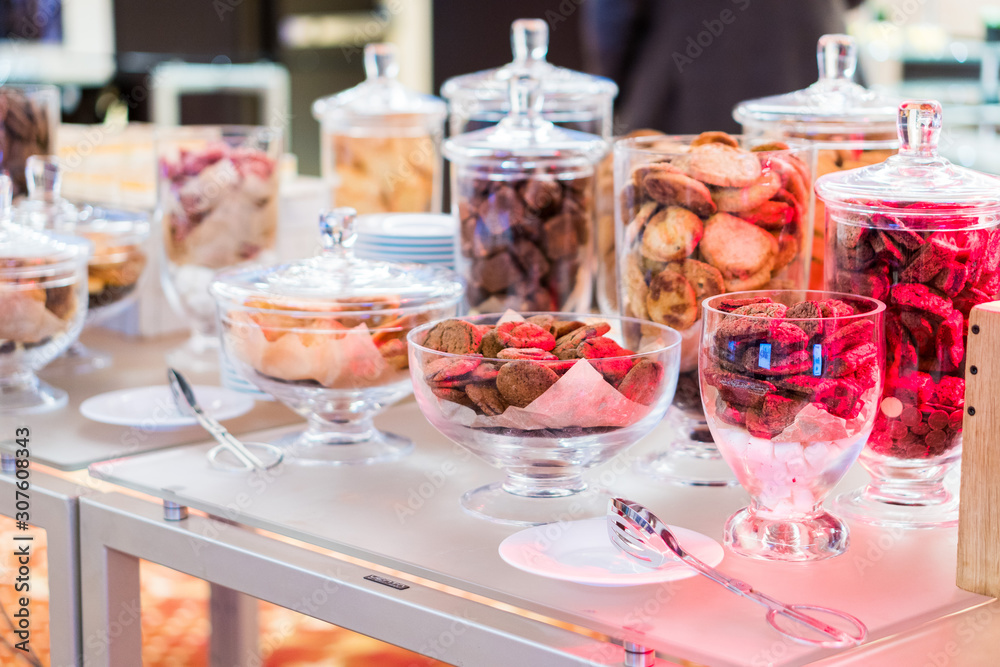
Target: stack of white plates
{"x":424,"y":238}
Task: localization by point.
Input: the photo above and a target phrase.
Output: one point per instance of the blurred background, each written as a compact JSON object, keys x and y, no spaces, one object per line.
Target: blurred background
{"x":105,"y":54}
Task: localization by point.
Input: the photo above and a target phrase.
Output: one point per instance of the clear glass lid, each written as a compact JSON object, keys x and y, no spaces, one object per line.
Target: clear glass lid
{"x":527,"y":137}
{"x":917,"y":177}
{"x":834,"y":104}
{"x":28,"y":254}
{"x":529,"y":39}
{"x":336,"y":280}
{"x":44,"y":207}
{"x":379,"y":96}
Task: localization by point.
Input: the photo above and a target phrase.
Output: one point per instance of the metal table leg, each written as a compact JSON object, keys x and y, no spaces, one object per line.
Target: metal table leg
{"x":53,"y":507}
{"x":235,"y":627}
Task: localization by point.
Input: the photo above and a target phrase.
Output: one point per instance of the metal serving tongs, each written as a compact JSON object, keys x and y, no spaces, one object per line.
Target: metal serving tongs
{"x":184,"y":397}
{"x":641,"y":536}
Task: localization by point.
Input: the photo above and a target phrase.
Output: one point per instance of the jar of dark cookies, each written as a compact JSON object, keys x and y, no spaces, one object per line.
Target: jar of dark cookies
{"x":523,"y":192}
{"x":922,"y":235}
{"x":698,"y":216}
{"x":29,"y":118}
{"x":850,"y":125}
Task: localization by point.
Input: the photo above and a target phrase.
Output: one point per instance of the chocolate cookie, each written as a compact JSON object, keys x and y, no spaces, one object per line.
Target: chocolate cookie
{"x":642,"y":382}
{"x":521,"y":382}
{"x":487,"y":398}
{"x":454,"y":337}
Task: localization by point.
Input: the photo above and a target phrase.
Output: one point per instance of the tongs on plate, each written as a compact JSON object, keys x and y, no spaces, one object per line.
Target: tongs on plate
{"x":642,"y":537}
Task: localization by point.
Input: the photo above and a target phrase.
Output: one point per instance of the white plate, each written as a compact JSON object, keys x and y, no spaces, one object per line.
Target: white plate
{"x":407,"y":241}
{"x":581,"y":552}
{"x":407,"y":225}
{"x":416,"y":259}
{"x":397,"y":250}
{"x":153,"y":408}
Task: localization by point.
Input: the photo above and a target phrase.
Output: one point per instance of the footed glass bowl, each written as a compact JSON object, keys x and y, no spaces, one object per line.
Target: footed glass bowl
{"x":327,"y":336}
{"x":790,"y":381}
{"x":543,"y":399}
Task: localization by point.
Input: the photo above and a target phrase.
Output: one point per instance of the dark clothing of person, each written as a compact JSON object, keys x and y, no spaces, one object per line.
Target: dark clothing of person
{"x":682,"y":65}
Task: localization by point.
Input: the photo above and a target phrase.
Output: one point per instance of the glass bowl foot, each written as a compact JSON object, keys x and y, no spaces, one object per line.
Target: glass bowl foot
{"x":30,"y":397}
{"x":802,"y":539}
{"x":304,"y":448}
{"x":690,"y":464}
{"x":198,"y":354}
{"x":691,"y":457}
{"x":79,"y":359}
{"x":494,"y":503}
{"x":865,"y":505}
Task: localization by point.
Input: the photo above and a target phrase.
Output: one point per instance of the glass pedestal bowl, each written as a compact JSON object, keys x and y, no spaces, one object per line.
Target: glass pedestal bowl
{"x":489,"y":384}
{"x":43,"y":302}
{"x":115,"y":272}
{"x":327,"y":337}
{"x":790,"y":382}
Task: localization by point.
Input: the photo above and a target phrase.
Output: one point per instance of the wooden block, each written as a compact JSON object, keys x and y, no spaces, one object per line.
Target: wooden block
{"x":979,"y":511}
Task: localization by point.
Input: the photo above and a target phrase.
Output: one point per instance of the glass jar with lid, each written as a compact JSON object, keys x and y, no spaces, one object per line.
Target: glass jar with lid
{"x":381,"y":142}
{"x":922,"y":235}
{"x":572,"y":99}
{"x":29,"y":119}
{"x":43,"y":299}
{"x":327,"y":337}
{"x":523,"y":194}
{"x":118,"y":260}
{"x":851,"y":125}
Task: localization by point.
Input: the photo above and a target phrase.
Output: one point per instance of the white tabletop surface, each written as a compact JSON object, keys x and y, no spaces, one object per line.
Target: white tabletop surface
{"x":66,"y":440}
{"x":406,"y":515}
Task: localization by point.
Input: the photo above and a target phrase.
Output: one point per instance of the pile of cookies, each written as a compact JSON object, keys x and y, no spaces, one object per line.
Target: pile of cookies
{"x":711,"y":218}
{"x":37,"y":307}
{"x":768,"y":361}
{"x":333,"y":345}
{"x":832,"y":160}
{"x":113,"y":271}
{"x":930,"y":280}
{"x":526,"y":242}
{"x":607,"y":272}
{"x":384,"y":174}
{"x":25,"y":132}
{"x":515,"y":362}
{"x":220,"y":206}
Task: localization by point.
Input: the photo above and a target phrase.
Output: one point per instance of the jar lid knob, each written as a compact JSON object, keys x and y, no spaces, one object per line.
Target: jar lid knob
{"x":837,"y":57}
{"x":919,"y":127}
{"x":43,"y":177}
{"x":529,"y":39}
{"x":336,"y":229}
{"x":380,"y":61}
{"x":525,"y":97}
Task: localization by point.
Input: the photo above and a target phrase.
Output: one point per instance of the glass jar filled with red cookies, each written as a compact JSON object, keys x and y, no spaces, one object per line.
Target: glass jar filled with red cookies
{"x":851,"y":126}
{"x":523,"y":192}
{"x":922,"y":235}
{"x":381,"y":142}
{"x":698,"y":216}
